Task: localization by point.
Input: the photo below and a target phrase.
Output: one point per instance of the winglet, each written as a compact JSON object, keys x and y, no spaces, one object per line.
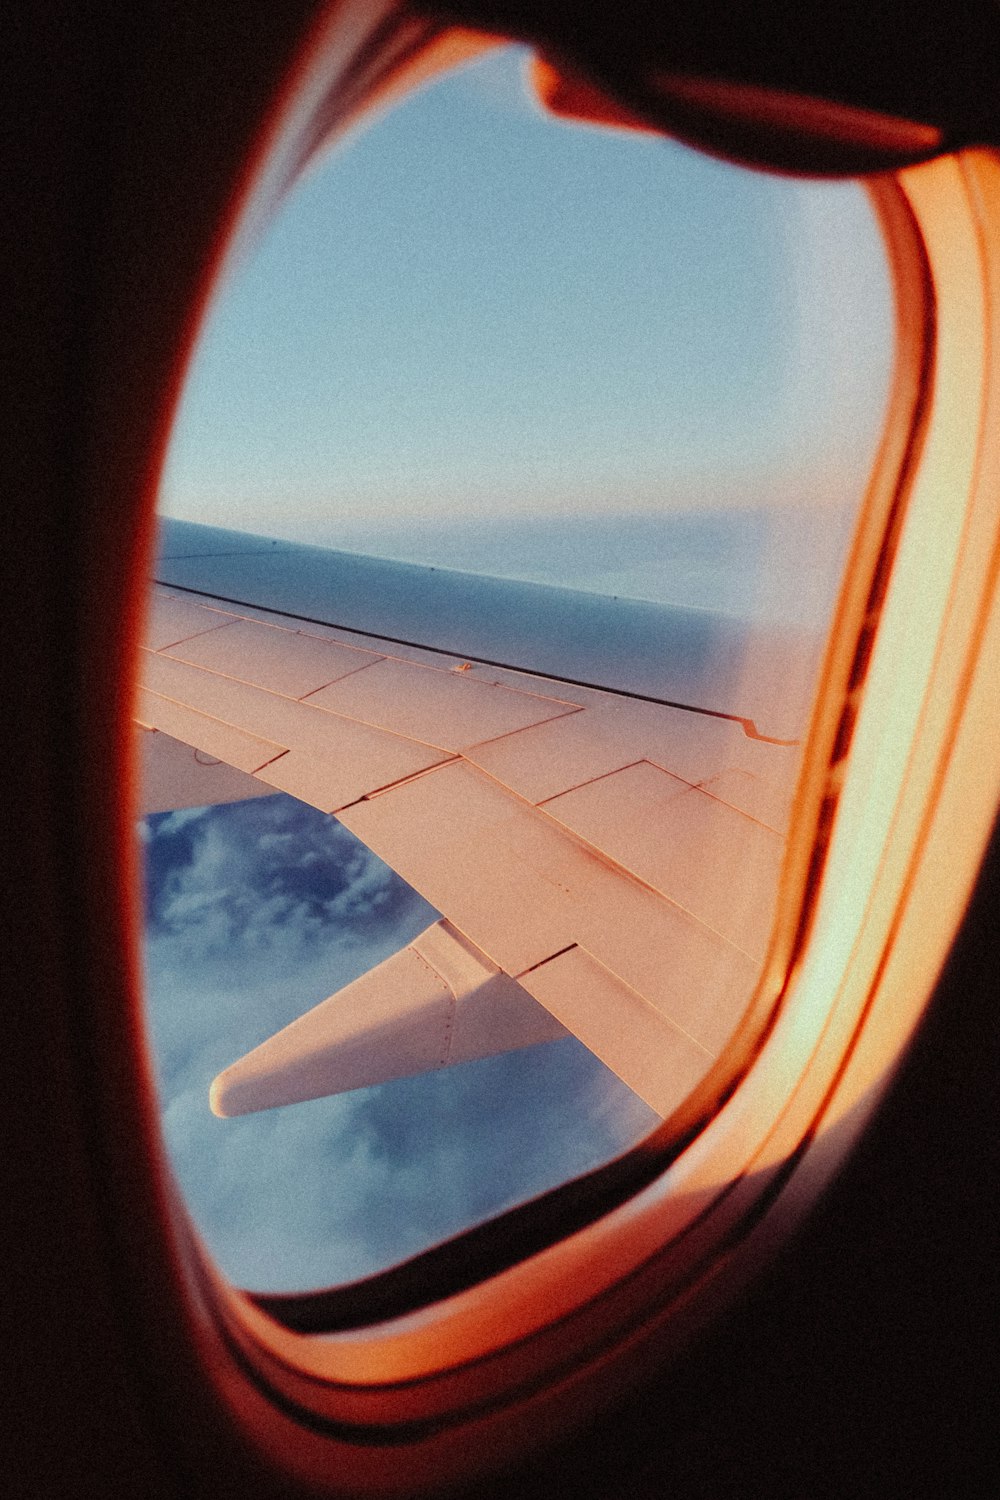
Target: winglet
{"x":436,"y":1003}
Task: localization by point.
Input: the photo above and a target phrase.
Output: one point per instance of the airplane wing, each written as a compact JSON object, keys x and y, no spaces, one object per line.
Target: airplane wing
{"x":606,"y":864}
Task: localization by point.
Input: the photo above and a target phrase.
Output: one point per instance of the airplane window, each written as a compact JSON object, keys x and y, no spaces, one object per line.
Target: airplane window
{"x":505,"y":513}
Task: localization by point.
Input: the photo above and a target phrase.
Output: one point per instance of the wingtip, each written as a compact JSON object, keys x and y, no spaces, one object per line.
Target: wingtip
{"x":218,"y":1097}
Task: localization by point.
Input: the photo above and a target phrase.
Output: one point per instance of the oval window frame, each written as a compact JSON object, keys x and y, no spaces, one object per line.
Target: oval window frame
{"x":422,"y":1404}
{"x":484,"y":1370}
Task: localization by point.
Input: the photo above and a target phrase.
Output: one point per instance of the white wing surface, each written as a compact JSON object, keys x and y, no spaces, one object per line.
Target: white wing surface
{"x":606,"y":865}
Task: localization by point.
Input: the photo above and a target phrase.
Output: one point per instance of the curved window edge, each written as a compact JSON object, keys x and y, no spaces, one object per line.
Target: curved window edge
{"x":657,"y":1266}
{"x":378,"y":1384}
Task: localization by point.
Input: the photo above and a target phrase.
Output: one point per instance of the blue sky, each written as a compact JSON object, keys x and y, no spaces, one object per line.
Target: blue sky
{"x":471,"y":312}
{"x":483,"y":339}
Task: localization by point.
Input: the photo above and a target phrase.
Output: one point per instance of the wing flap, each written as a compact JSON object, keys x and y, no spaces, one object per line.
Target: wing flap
{"x":523,"y":889}
{"x":545,"y":760}
{"x":242,"y":751}
{"x":693,"y":848}
{"x":174,"y":774}
{"x":356,"y":759}
{"x":657,"y":1060}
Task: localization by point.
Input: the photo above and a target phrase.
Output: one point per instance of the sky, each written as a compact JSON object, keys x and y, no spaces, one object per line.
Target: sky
{"x":471,"y":320}
{"x":479,"y":338}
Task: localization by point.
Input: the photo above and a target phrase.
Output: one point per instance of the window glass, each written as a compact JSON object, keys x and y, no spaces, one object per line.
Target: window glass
{"x":623,"y":401}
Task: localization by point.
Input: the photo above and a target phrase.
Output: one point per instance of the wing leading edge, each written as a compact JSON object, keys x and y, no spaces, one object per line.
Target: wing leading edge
{"x":607,"y":867}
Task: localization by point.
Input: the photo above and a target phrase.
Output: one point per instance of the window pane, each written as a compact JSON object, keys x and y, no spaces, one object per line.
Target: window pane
{"x":588,"y":420}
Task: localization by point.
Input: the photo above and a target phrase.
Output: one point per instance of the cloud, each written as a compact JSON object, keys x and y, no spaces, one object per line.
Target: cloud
{"x":247,"y":875}
{"x":257,"y":911}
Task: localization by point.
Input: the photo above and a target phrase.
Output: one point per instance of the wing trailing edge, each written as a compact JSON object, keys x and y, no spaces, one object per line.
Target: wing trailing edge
{"x":605,"y":865}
